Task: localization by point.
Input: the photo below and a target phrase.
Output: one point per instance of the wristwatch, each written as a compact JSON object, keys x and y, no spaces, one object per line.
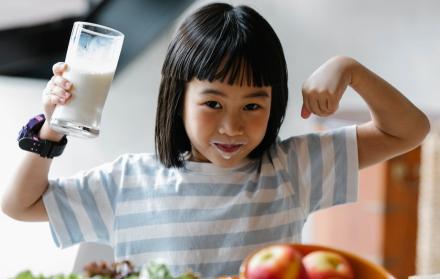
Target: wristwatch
{"x":28,"y":139}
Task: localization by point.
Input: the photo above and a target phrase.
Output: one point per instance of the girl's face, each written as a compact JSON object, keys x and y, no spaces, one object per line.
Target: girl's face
{"x":225,"y":122}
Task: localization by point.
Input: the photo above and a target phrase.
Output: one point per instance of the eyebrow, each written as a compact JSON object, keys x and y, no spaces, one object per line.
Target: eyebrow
{"x":256,"y":94}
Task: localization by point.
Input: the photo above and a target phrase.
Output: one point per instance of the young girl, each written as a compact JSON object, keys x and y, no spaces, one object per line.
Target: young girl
{"x":221,"y":183}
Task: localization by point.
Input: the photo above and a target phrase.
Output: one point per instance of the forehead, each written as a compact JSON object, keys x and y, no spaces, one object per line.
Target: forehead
{"x":196,"y":86}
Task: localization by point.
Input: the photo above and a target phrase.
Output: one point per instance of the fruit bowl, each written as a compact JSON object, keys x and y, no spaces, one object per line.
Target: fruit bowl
{"x":362,"y":268}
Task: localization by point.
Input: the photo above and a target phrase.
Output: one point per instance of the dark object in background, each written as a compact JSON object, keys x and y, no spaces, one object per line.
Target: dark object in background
{"x":31,"y":51}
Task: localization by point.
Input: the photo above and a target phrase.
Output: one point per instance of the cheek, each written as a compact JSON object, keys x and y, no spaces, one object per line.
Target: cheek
{"x":196,"y":121}
{"x":204,"y":120}
{"x":257,"y":125}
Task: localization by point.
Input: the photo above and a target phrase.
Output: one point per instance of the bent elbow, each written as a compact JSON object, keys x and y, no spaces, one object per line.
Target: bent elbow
{"x":419,"y":132}
{"x":425,"y":128}
{"x":10,"y":210}
{"x":6,"y":209}
{"x":416,"y":133}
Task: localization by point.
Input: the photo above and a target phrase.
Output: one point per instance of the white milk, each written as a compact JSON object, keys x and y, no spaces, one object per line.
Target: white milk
{"x":89,"y":92}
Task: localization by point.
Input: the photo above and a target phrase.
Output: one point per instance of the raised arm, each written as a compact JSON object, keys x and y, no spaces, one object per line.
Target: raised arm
{"x":397,"y":126}
{"x":23,"y":197}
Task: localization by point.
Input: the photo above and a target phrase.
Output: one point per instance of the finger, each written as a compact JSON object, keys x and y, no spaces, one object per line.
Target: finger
{"x":59,"y":86}
{"x":56,"y":92}
{"x":323,"y":104}
{"x":59,"y":96}
{"x":59,"y":68}
{"x":61,"y":82}
{"x":47,"y":90}
{"x":314,"y":106}
{"x":56,"y":100}
{"x":305,"y":110}
{"x":305,"y":113}
{"x":333,"y":104}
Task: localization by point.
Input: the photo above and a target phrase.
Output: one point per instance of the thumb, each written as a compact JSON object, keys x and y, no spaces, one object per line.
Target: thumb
{"x":305,"y":113}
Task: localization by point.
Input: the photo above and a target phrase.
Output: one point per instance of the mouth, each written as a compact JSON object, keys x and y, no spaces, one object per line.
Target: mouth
{"x":228,"y":150}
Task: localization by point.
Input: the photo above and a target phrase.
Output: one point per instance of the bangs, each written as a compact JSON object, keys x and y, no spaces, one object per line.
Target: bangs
{"x":235,"y":45}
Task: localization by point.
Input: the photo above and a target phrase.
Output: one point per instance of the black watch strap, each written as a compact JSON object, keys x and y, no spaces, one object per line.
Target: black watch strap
{"x":45,"y":148}
{"x":28,"y":139}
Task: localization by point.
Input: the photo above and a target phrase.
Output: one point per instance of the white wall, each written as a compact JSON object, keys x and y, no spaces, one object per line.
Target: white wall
{"x":17,"y":13}
{"x":397,"y":39}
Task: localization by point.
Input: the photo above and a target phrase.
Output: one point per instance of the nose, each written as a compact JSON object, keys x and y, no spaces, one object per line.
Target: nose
{"x":231,"y":125}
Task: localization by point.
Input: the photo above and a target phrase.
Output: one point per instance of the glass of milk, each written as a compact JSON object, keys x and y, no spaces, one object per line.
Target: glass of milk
{"x":92,"y":57}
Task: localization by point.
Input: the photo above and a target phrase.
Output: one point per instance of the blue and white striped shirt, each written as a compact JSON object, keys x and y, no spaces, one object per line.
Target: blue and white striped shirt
{"x":201,"y":217}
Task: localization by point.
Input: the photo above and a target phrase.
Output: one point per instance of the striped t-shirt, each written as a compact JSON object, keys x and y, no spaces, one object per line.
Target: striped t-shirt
{"x":202,"y":217}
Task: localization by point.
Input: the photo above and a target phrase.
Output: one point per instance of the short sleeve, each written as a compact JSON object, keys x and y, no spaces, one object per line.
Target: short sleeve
{"x":323,"y":167}
{"x":81,"y":208}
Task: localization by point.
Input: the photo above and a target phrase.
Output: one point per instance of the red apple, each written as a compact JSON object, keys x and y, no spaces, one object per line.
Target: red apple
{"x":277,"y":261}
{"x":326,"y":264}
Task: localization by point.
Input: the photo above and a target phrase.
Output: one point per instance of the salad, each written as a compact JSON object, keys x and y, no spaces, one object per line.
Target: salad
{"x":118,"y":270}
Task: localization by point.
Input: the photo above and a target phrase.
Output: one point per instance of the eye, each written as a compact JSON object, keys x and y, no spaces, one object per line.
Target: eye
{"x":252,"y":107}
{"x":213,"y":104}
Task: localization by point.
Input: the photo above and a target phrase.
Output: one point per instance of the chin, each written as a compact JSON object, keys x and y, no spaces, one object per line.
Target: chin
{"x":229,"y":163}
{"x":214,"y":157}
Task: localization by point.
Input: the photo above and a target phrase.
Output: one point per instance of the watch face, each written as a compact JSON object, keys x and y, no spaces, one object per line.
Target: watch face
{"x":31,"y":128}
{"x":34,"y":122}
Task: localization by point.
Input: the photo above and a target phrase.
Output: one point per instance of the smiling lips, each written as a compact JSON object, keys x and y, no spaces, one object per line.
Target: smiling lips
{"x":228,"y":150}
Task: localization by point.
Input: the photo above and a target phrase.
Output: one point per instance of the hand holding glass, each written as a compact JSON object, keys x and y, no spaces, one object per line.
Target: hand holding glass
{"x":92,"y":57}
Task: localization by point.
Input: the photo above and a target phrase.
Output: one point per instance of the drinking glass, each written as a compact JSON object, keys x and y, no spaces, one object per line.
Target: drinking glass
{"x":92,"y":57}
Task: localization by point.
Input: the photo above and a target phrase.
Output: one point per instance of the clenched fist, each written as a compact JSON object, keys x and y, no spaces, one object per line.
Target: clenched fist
{"x":57,"y":91}
{"x":323,"y":90}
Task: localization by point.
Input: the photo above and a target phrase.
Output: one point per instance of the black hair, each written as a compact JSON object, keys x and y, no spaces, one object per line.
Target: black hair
{"x":225,"y":43}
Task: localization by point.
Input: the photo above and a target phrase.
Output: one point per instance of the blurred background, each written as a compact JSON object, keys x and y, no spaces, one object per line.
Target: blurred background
{"x":398,"y":39}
